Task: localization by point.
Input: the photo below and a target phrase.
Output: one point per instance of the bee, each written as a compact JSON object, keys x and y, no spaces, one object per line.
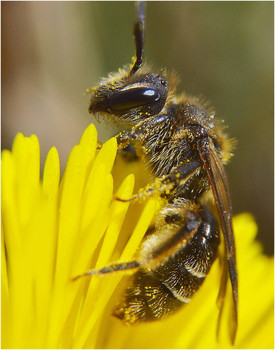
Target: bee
{"x":186,"y":150}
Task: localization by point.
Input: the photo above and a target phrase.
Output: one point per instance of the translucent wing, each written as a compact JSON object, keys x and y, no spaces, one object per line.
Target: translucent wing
{"x":219,"y":186}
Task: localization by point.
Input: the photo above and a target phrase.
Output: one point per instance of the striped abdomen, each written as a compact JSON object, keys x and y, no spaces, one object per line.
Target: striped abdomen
{"x":159,"y":291}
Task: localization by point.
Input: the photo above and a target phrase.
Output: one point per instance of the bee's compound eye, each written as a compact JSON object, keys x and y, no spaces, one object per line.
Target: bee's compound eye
{"x":132,"y":98}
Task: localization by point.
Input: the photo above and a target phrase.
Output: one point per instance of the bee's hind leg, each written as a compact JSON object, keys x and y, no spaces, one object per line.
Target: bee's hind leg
{"x":132,"y":265}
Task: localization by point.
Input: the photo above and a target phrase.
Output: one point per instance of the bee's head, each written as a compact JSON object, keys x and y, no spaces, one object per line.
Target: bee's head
{"x":131,"y":95}
{"x":130,"y":98}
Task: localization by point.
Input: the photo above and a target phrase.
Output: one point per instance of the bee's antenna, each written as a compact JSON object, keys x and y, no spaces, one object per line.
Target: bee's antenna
{"x":139,"y":29}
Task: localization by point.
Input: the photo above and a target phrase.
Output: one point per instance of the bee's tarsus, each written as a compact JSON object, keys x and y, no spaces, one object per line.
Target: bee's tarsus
{"x":99,"y":145}
{"x":110,"y":269}
{"x":125,"y":200}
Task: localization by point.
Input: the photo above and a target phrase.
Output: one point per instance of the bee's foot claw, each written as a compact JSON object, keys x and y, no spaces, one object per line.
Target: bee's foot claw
{"x":125,"y":200}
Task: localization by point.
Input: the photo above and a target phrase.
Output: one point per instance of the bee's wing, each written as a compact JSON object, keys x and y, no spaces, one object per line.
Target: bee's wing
{"x":219,"y":186}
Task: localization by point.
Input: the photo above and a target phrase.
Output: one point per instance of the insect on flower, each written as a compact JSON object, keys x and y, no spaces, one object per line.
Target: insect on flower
{"x":186,"y":150}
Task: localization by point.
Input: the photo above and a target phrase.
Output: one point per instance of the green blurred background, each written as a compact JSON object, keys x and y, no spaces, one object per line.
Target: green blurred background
{"x":53,"y":51}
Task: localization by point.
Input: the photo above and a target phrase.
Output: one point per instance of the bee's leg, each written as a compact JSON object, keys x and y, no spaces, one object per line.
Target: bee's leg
{"x":175,"y":214}
{"x":132,"y":265}
{"x":98,"y":145}
{"x":173,"y":262}
{"x":124,"y":138}
{"x":129,"y":153}
{"x":165,"y":184}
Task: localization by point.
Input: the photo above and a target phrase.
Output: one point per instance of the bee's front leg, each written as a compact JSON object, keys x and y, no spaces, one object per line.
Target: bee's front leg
{"x":124,"y":138}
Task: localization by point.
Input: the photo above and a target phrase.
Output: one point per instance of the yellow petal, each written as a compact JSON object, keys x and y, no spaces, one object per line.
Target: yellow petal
{"x":52,"y":232}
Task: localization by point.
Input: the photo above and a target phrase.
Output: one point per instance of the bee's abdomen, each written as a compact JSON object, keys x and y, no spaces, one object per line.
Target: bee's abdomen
{"x":159,"y":292}
{"x":146,"y":300}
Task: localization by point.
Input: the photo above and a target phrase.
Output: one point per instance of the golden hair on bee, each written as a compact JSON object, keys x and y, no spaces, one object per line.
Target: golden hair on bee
{"x":186,"y":149}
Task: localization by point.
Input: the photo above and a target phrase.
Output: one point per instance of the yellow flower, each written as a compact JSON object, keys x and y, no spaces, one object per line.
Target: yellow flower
{"x":52,"y":231}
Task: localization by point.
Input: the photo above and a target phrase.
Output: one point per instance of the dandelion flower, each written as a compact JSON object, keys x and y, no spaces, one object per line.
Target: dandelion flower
{"x":53,"y":230}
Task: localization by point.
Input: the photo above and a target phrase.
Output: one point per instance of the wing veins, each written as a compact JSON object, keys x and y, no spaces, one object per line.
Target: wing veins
{"x":220,"y":189}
